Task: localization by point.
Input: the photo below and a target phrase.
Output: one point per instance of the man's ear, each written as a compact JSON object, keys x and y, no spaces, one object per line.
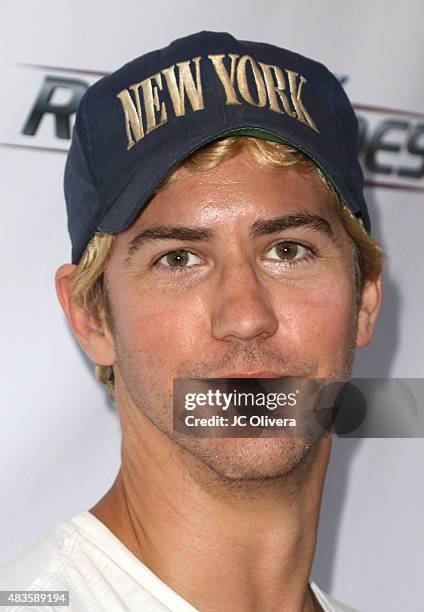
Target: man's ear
{"x":368,"y":311}
{"x":94,"y":336}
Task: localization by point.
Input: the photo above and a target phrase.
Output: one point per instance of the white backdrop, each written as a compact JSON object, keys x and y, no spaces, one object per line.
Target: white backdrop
{"x":59,"y":436}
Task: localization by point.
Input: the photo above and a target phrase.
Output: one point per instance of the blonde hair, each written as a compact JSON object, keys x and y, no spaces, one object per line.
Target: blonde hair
{"x":88,"y":279}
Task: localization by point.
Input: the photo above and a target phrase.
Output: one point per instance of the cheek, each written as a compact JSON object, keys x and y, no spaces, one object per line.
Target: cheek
{"x":161,"y":331}
{"x":319,"y":319}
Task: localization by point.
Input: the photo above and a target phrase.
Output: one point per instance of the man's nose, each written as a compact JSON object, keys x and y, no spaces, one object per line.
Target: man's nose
{"x":242,"y":307}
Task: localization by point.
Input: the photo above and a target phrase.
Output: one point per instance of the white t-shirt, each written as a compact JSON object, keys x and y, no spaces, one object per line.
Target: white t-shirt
{"x":82,"y":556}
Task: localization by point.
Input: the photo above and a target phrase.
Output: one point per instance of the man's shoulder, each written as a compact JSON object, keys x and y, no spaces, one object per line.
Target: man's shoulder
{"x":82,"y":556}
{"x":40,"y":564}
{"x":328,"y":603}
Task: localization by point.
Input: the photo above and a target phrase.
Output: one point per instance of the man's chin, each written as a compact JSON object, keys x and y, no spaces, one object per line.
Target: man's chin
{"x":249,"y":459}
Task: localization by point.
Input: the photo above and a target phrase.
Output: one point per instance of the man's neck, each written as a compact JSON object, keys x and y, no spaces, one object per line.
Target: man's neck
{"x":235,"y":545}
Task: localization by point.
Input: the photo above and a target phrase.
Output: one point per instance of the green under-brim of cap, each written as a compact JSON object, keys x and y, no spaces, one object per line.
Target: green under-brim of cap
{"x":255,"y":133}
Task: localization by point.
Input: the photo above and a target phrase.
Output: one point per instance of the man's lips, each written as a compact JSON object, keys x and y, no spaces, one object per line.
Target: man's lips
{"x":261,"y":374}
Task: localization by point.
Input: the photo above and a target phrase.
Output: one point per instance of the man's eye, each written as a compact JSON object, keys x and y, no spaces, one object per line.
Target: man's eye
{"x":289,"y":252}
{"x":180,"y":258}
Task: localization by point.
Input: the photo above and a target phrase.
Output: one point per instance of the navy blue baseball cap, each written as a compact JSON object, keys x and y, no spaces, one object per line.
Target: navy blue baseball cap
{"x":135,"y":125}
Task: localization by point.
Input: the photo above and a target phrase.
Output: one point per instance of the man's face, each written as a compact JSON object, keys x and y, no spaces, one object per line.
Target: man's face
{"x":239,"y":277}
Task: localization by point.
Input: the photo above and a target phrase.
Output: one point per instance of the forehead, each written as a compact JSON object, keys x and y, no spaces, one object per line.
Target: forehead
{"x":234,"y":191}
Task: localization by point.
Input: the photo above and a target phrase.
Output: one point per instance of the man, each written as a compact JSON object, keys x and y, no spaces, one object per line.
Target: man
{"x":218,"y":230}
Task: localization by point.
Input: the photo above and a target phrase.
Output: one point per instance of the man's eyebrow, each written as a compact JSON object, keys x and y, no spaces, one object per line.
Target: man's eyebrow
{"x":261,"y":227}
{"x":167,"y":232}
